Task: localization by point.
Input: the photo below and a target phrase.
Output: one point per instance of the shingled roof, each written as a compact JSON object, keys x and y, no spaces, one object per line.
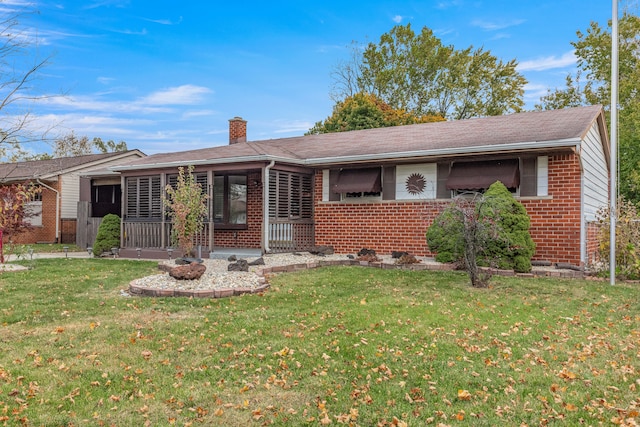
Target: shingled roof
{"x":45,"y":169}
{"x":528,"y":130}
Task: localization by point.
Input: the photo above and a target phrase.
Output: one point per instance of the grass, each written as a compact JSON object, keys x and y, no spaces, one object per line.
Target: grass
{"x":343,"y":345}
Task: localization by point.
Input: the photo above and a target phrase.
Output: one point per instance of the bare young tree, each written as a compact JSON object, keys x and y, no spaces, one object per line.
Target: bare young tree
{"x":18,"y":72}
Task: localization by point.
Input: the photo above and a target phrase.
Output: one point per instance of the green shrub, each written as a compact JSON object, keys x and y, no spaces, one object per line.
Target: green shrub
{"x":500,"y":231}
{"x":108,"y":235}
{"x":513,"y":251}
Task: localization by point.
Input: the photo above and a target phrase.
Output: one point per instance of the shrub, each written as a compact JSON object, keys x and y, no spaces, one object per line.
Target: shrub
{"x":627,"y":240}
{"x":513,"y":251}
{"x":488,"y":230}
{"x":187,"y":208}
{"x":108,"y":235}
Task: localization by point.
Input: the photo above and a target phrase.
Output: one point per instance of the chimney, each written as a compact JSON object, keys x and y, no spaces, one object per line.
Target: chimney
{"x":237,"y":130}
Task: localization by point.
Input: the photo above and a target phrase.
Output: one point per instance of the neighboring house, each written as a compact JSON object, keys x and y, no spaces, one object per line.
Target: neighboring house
{"x":381,"y":188}
{"x":54,"y":211}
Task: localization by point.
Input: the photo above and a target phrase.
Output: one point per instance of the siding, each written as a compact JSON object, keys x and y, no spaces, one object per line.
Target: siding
{"x":70,"y":195}
{"x":595,"y":174}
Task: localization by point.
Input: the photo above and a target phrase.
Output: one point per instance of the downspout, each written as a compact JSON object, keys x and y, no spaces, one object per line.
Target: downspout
{"x":57,"y":206}
{"x":265,"y":205}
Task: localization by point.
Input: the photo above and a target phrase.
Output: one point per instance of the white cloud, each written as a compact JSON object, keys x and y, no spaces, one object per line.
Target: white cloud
{"x":549,"y":62}
{"x":179,"y":95}
{"x":397,"y":19}
{"x":493,"y":26}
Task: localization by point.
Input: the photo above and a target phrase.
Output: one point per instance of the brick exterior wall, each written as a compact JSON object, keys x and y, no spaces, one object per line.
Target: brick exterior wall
{"x":46,"y":232}
{"x":252,"y":236}
{"x":397,"y":225}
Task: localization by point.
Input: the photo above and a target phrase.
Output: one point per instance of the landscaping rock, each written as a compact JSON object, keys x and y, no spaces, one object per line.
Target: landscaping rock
{"x":259,"y":261}
{"x":232,"y":258}
{"x":322,"y":250}
{"x":366,"y":252}
{"x":186,"y":260}
{"x":240,"y":265}
{"x":398,"y":254}
{"x":192,"y":271}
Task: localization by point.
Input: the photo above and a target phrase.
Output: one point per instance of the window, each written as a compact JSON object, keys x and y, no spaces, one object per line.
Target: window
{"x":290,"y":195}
{"x":355,"y":184}
{"x":105,"y":199}
{"x":466,"y":177}
{"x":144,"y":198}
{"x":230,"y":201}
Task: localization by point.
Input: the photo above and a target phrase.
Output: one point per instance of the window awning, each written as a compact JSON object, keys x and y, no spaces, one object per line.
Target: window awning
{"x":358,"y":181}
{"x":480,"y":175}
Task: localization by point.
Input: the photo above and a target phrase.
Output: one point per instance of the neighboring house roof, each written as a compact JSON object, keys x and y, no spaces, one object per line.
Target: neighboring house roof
{"x":536,"y":130}
{"x":46,"y":169}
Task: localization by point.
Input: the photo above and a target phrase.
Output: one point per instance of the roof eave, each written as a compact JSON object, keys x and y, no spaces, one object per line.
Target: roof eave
{"x":319,"y":161}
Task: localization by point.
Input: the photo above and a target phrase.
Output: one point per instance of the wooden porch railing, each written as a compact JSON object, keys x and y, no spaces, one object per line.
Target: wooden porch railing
{"x":290,"y":236}
{"x":284,"y":236}
{"x":150,"y":235}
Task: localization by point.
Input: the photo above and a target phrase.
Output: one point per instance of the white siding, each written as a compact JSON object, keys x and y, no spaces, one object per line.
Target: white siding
{"x":425,"y":175}
{"x":595,"y":174}
{"x":543,"y":175}
{"x":325,"y":185}
{"x":70,"y":195}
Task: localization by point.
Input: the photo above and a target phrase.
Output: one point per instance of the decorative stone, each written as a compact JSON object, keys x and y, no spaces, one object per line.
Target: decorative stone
{"x":398,"y":254}
{"x":191,"y":271}
{"x":186,"y":260}
{"x":232,"y":258}
{"x":240,"y":265}
{"x":259,"y":261}
{"x":322,"y":250}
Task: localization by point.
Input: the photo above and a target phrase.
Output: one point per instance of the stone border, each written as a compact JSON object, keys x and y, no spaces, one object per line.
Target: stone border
{"x":136,"y":290}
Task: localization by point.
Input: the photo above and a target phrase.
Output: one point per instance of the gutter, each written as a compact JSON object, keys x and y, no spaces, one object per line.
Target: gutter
{"x":265,"y":205}
{"x":530,"y":145}
{"x":57,"y":207}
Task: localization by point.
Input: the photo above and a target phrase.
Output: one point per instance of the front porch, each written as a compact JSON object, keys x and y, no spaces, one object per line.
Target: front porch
{"x":152,"y":240}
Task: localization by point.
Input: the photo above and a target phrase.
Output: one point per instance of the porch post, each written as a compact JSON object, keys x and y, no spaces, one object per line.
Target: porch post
{"x":163,"y":227}
{"x":265,"y":208}
{"x":210,"y":177}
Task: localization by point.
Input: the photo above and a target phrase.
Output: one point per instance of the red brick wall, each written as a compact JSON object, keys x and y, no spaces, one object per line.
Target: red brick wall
{"x":251,"y":237}
{"x":387,"y":226}
{"x":47,"y":232}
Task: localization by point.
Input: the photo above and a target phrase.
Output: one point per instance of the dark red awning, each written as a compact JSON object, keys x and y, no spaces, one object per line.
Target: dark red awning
{"x":480,"y":175}
{"x":359,"y":181}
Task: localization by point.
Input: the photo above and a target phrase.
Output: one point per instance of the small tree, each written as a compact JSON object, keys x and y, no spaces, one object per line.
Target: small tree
{"x":187,"y":209}
{"x":627,"y":240}
{"x":486,"y":230}
{"x":108,"y":235}
{"x":461,"y":234}
{"x":13,"y":217}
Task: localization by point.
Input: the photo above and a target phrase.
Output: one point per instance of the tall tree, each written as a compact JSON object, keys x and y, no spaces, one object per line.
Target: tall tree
{"x":593,"y":50}
{"x":366,"y":111}
{"x":18,"y":71}
{"x":417,"y":73}
{"x":70,"y":145}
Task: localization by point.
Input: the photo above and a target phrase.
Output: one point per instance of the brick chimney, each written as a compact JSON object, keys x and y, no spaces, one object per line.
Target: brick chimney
{"x":237,"y":130}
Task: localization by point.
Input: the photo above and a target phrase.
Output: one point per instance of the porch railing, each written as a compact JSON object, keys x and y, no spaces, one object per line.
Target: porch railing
{"x":284,"y":236}
{"x":289,"y":236}
{"x":150,"y":235}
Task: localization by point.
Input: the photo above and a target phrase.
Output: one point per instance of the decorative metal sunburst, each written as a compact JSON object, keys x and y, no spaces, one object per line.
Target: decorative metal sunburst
{"x":415,"y":183}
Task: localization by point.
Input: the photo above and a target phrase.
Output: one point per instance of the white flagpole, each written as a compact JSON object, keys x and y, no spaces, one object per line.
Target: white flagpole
{"x":614,"y":143}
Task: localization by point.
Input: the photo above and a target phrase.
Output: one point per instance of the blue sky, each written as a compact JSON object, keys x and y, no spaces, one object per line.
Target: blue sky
{"x":167,"y":76}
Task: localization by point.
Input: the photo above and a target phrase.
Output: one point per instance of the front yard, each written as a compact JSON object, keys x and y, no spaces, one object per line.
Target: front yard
{"x":330,"y":346}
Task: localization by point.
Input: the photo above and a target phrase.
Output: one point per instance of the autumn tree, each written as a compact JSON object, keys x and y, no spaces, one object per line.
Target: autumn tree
{"x":18,"y":72}
{"x":591,"y":85}
{"x":13,"y":215}
{"x":187,"y":208}
{"x":71,"y":145}
{"x":366,"y":111}
{"x":418,"y":74}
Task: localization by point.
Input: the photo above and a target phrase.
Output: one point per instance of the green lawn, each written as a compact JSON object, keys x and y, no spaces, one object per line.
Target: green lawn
{"x":341,"y":345}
